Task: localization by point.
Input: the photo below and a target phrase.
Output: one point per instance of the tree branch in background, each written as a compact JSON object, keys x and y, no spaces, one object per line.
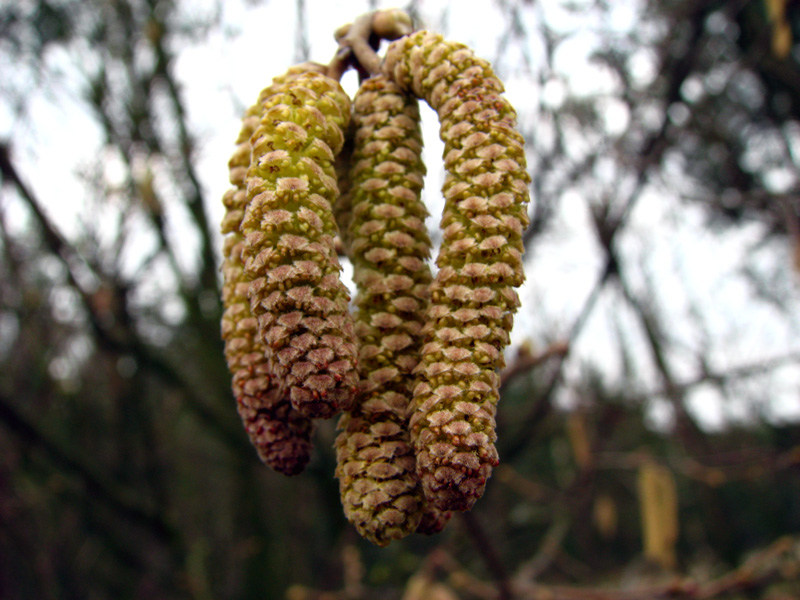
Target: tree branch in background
{"x":126,"y":342}
{"x":186,"y":166}
{"x":688,"y":431}
{"x":652,"y":153}
{"x":485,"y":547}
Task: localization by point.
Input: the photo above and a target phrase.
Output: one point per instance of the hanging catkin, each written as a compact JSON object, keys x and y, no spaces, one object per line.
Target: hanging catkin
{"x":389,"y":245}
{"x":417,"y":371}
{"x":295,"y":292}
{"x":480,"y":263}
{"x":343,"y":208}
{"x":280,"y":434}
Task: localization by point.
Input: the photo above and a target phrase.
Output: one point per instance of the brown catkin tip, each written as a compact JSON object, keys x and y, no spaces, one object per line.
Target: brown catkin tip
{"x":282,"y":436}
{"x":389,"y":245}
{"x":480,"y":263}
{"x":300,"y":304}
{"x":433,"y":520}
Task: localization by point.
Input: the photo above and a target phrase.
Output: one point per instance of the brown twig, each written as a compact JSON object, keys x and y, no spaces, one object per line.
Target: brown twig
{"x":359,"y":41}
{"x":525,"y":363}
{"x":489,"y":554}
{"x":129,"y":342}
{"x":549,"y":549}
{"x":533,"y":491}
{"x":458,"y":576}
{"x":686,"y":427}
{"x":649,"y":157}
{"x":713,"y":470}
{"x":777,"y":562}
{"x":355,"y":49}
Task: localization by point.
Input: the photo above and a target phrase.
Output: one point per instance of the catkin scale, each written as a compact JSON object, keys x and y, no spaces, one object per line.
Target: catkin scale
{"x":295,"y":293}
{"x":281,"y":436}
{"x":389,"y":245}
{"x":480,"y":263}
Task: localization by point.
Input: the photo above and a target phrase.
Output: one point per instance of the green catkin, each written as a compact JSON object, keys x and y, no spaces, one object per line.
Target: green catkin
{"x":295,"y":293}
{"x":389,"y":245}
{"x":380,"y":492}
{"x":480,"y":263}
{"x":281,"y":436}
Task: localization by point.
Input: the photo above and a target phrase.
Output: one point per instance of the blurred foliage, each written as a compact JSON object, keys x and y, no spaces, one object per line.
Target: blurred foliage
{"x":124,"y":472}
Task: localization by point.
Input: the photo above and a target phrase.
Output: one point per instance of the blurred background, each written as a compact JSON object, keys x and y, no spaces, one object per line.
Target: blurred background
{"x":649,"y":427}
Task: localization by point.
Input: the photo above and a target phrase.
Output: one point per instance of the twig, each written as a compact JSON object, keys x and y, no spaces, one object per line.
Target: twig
{"x":359,"y":41}
{"x":649,"y":156}
{"x":121,"y":344}
{"x":526,"y":363}
{"x":487,"y":551}
{"x":355,"y":49}
{"x":544,"y":404}
{"x":713,"y":470}
{"x":194,"y":200}
{"x":687,"y":429}
{"x":533,"y":491}
{"x":458,"y":576}
{"x":548,"y":551}
{"x":301,"y":45}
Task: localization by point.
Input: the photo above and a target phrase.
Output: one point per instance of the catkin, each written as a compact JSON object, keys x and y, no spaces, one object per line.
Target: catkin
{"x":281,"y":436}
{"x":480,"y":263}
{"x":343,"y":207}
{"x":295,"y":293}
{"x":389,"y":245}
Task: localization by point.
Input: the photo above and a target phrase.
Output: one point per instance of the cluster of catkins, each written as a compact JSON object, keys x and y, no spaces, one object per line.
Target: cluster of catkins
{"x":414,"y":371}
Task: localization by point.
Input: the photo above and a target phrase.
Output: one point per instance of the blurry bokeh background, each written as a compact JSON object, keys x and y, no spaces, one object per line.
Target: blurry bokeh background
{"x":649,"y":427}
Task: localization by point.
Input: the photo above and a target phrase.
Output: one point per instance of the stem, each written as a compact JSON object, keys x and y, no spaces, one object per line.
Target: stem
{"x":359,"y":41}
{"x":487,"y":550}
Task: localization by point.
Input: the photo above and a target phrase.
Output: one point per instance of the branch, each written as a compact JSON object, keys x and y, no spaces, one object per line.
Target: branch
{"x":651,"y":155}
{"x":733,"y":374}
{"x":778,"y":562}
{"x":549,"y":549}
{"x":129,"y":343}
{"x":711,"y":469}
{"x":194,"y":201}
{"x":687,"y":429}
{"x":52,"y":238}
{"x":527,"y":362}
{"x":486,"y":549}
{"x":359,"y":41}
